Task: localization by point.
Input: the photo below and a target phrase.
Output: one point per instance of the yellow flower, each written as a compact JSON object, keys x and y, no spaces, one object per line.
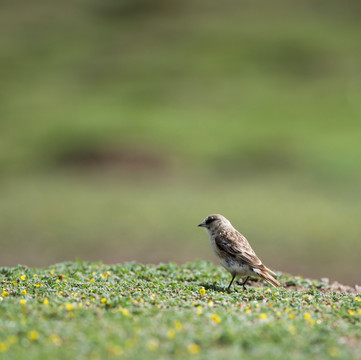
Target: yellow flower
{"x":210,"y":303}
{"x":33,"y":335}
{"x":333,"y":351}
{"x":267,"y":291}
{"x":292,"y":329}
{"x":23,"y":277}
{"x":80,"y":305}
{"x":5,"y":293}
{"x":115,"y":350}
{"x":46,"y":302}
{"x":35,"y":275}
{"x":351,"y":312}
{"x":55,"y":339}
{"x":129,"y":343}
{"x":287,"y":310}
{"x":271,"y":304}
{"x":194,"y":349}
{"x":125,"y":312}
{"x":359,"y":312}
{"x":109,"y":273}
{"x":292,"y":316}
{"x":263,"y":316}
{"x":306,"y":316}
{"x":22,"y":302}
{"x":216,"y":318}
{"x":23,"y":291}
{"x":12,"y":339}
{"x":69,"y":306}
{"x":171,"y":334}
{"x":357,"y":299}
{"x":177,"y":325}
{"x":92,"y":280}
{"x":153,"y":345}
{"x":199,"y":310}
{"x":202,"y":291}
{"x":310,"y":321}
{"x":104,"y":301}
{"x":3,"y":347}
{"x":104,"y":276}
{"x":39,"y":285}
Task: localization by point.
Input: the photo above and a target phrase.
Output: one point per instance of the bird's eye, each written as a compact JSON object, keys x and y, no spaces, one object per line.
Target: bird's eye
{"x":208,"y":221}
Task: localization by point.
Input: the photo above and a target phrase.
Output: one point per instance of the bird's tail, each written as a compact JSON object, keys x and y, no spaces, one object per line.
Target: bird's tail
{"x":268,"y":277}
{"x":271,"y":272}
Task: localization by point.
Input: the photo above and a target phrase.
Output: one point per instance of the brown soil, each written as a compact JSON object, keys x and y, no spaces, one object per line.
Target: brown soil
{"x":333,"y":287}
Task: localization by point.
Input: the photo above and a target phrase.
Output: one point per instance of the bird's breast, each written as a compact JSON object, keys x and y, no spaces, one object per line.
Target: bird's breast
{"x":213,"y":245}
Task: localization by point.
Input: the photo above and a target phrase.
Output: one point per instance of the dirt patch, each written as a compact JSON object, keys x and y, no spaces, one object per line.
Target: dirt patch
{"x":333,"y":287}
{"x":337,"y":287}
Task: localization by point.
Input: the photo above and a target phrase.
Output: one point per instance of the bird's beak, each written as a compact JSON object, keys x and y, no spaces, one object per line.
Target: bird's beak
{"x":202,"y":224}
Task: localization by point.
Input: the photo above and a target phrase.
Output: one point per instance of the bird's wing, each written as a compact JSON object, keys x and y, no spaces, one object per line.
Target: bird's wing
{"x":236,"y":245}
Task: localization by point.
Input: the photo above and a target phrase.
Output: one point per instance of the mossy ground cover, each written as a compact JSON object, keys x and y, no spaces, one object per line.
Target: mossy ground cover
{"x":134,"y":311}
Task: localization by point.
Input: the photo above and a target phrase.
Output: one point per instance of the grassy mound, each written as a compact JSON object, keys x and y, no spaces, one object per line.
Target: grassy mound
{"x":134,"y":311}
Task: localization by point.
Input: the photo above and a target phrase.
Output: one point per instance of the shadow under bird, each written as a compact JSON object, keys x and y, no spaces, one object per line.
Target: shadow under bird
{"x":234,"y":251}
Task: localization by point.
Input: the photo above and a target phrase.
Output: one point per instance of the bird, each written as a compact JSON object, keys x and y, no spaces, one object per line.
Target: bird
{"x":234,"y":252}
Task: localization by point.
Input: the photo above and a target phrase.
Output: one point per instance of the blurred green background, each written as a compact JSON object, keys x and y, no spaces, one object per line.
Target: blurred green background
{"x":123,"y":123}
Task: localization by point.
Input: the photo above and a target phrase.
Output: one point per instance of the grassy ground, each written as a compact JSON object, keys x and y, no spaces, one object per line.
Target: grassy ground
{"x":134,"y":311}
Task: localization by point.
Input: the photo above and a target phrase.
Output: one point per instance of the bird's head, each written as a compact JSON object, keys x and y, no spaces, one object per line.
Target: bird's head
{"x":214,"y":222}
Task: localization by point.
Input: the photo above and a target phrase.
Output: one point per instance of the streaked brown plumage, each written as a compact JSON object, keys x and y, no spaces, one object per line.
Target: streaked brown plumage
{"x":234,"y":251}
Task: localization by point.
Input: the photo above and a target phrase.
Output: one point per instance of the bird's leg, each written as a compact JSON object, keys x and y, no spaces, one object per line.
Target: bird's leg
{"x":229,"y":286}
{"x":243,"y":283}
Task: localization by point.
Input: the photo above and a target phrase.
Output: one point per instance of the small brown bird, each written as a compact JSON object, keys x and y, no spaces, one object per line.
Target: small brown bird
{"x":234,"y":251}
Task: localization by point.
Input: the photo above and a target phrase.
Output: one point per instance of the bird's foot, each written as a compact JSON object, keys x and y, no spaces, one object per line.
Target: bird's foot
{"x":243,"y":283}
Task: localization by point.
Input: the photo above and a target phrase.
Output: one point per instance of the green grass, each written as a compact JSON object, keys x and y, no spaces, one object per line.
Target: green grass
{"x":134,"y":311}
